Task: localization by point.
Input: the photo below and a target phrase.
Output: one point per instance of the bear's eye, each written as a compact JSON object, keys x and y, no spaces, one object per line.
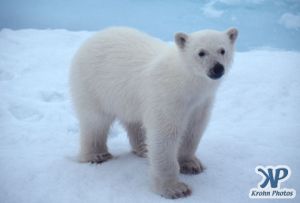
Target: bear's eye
{"x":222,"y":51}
{"x":202,"y":54}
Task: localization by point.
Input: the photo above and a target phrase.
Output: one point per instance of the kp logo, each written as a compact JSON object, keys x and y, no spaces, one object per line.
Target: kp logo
{"x":269,"y":186}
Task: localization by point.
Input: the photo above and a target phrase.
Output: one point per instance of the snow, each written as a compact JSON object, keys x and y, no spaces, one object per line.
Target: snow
{"x":255,"y":122}
{"x":210,"y":11}
{"x":290,"y":21}
{"x":234,"y":2}
{"x":257,"y":20}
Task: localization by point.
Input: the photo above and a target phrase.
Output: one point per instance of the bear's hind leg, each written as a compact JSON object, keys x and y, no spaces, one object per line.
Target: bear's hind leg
{"x":136,"y":135}
{"x":94,"y":129}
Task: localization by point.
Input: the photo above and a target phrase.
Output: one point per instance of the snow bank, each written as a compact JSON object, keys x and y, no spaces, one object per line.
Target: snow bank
{"x":257,"y":20}
{"x":255,"y":122}
{"x":290,"y":21}
{"x":210,"y":11}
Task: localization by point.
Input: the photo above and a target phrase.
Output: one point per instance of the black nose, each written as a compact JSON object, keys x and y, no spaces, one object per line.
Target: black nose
{"x":216,"y":72}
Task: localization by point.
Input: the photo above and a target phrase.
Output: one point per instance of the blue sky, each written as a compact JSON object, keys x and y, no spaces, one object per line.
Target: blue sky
{"x":262,"y":23}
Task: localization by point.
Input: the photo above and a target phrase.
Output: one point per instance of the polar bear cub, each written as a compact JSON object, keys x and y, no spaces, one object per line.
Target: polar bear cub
{"x":162,"y":93}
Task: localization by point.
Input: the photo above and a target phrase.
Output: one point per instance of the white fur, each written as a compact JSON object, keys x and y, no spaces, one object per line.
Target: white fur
{"x":152,"y":87}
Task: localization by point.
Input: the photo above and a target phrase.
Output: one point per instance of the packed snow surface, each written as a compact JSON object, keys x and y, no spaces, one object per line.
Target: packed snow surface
{"x":255,"y":122}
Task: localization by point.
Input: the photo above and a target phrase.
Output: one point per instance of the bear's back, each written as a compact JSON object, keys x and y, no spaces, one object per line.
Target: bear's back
{"x":121,"y":47}
{"x":109,"y":65}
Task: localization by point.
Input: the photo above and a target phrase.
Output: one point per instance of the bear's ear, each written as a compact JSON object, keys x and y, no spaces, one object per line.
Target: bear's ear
{"x":181,"y":39}
{"x":232,"y":34}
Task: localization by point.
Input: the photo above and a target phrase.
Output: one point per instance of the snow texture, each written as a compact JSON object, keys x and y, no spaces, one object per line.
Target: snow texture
{"x":257,"y":20}
{"x":255,"y":122}
{"x":210,"y":11}
{"x":290,"y":21}
{"x":234,"y":2}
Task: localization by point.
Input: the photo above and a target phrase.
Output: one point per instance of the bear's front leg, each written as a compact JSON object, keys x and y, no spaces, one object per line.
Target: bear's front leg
{"x":163,"y":142}
{"x":188,"y":162}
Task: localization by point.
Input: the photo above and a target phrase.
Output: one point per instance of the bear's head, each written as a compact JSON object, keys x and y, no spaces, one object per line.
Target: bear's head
{"x":207,"y":53}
